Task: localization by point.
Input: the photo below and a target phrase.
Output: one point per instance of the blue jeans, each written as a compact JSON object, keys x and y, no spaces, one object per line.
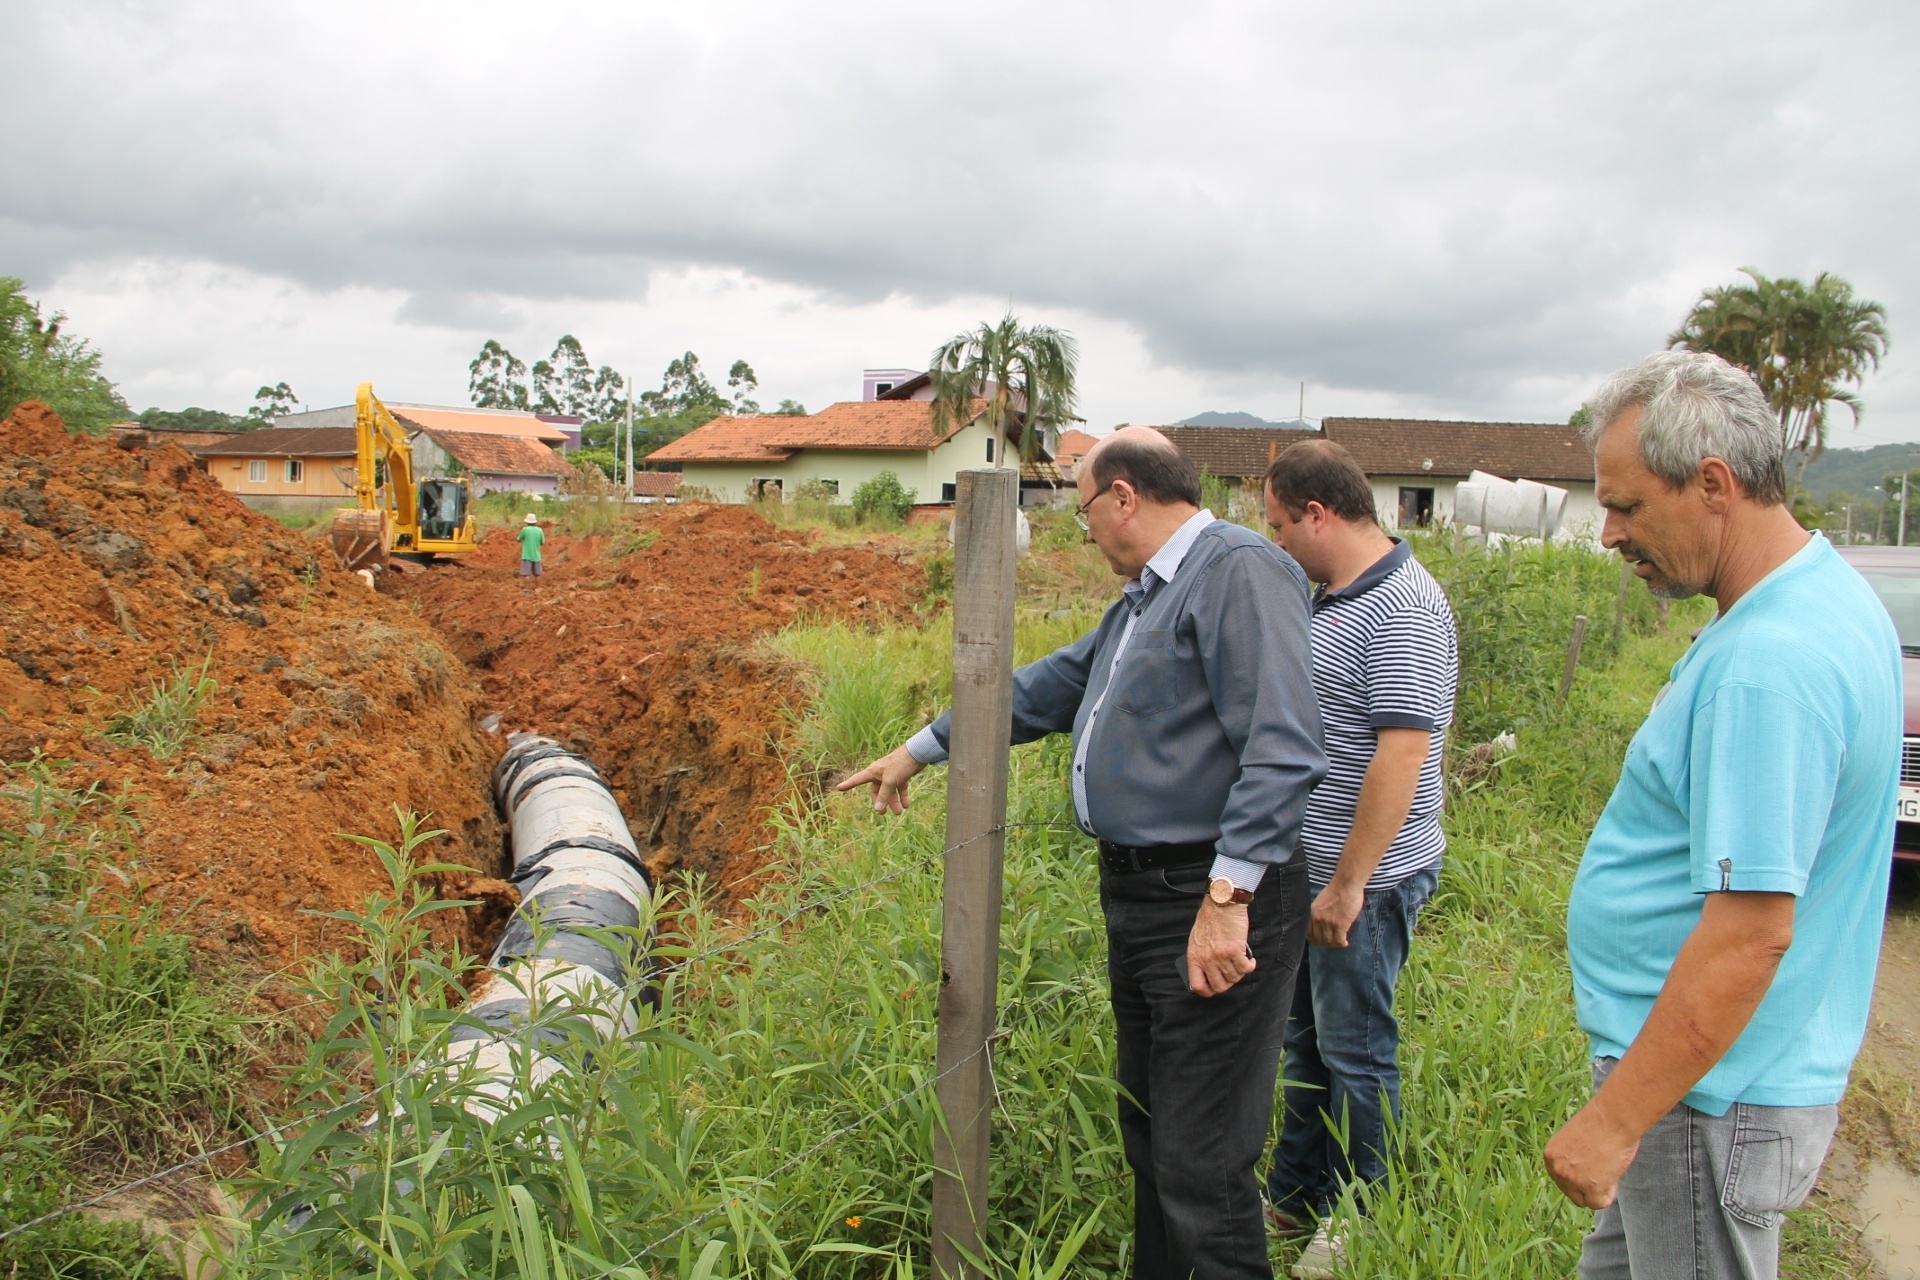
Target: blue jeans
{"x":1342,"y":1072}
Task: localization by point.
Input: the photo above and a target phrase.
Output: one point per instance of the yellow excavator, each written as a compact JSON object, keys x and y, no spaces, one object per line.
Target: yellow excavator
{"x":414,"y":519}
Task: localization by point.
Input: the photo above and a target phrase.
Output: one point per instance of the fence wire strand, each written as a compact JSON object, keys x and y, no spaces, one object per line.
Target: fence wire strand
{"x":332,"y":1114}
{"x":1026,"y":1015}
{"x":823,"y":901}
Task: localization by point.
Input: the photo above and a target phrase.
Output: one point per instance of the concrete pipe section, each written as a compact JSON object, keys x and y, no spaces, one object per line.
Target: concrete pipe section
{"x":578,"y":868}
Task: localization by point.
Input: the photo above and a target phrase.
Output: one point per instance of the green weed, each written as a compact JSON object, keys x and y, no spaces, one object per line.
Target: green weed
{"x":631,"y":541}
{"x":870,"y":690}
{"x":114,"y":1056}
{"x":167,"y":715}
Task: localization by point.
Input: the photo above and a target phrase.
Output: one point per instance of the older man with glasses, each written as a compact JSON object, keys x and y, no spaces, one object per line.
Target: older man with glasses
{"x":1196,"y":740}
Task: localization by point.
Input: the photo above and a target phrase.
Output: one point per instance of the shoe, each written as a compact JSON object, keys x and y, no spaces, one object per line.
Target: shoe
{"x":1322,"y":1255}
{"x":1283,"y":1225}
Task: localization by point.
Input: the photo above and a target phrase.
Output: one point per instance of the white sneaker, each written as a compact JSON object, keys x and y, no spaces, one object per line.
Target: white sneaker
{"x":1321,"y":1256}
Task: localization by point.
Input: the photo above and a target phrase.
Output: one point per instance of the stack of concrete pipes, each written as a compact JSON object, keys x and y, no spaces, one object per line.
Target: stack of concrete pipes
{"x":1519,"y":508}
{"x":577,"y":867}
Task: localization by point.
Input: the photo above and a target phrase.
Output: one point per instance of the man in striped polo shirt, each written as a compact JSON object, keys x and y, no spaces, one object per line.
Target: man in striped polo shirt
{"x":1385,"y":664}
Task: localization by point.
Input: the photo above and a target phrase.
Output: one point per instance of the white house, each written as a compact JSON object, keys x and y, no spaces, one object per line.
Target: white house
{"x":744,"y":458}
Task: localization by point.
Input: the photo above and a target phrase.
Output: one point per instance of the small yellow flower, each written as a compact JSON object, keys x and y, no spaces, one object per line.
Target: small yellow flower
{"x":854,"y":1223}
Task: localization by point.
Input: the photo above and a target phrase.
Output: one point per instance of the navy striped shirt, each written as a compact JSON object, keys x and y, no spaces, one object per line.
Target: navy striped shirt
{"x":1384,"y":657}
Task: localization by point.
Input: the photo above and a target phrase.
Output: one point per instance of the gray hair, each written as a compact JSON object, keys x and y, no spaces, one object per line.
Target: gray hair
{"x":1694,"y":406}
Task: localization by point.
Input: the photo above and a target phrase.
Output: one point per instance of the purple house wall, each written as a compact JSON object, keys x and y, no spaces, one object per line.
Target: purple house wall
{"x":566,"y":423}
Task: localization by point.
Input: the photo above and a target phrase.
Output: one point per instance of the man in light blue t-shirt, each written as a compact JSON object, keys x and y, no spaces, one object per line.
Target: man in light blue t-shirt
{"x":1725,"y":922}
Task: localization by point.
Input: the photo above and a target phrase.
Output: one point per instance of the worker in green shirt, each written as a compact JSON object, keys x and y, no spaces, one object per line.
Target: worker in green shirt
{"x":531,"y":538}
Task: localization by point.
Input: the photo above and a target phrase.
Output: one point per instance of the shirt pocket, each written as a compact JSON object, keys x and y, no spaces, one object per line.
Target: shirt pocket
{"x":1153,"y":676}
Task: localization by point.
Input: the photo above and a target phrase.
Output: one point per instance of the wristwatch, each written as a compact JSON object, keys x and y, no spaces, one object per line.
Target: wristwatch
{"x":1225,"y":892}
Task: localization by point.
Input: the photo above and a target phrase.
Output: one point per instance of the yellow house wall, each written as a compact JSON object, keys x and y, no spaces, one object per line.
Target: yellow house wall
{"x":318,"y":478}
{"x":923,"y":472}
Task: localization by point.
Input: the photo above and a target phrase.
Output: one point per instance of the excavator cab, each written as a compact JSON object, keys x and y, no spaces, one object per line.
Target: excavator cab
{"x":443,"y":509}
{"x":398,"y":513}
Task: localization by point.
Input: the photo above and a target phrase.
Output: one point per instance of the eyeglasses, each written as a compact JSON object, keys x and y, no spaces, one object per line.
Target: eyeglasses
{"x":1080,"y":512}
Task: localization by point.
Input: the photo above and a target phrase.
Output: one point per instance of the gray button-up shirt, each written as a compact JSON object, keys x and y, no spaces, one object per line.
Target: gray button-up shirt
{"x":1191,"y":704}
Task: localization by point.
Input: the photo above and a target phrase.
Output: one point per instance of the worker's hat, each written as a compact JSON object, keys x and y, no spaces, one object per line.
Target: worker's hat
{"x":531,"y":519}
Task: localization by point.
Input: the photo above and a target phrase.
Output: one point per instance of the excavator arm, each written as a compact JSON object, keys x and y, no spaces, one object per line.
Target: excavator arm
{"x":377,"y":434}
{"x":365,"y":534}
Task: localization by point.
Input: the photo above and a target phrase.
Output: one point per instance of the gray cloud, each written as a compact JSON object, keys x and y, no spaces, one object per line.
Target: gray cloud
{"x":1441,"y":201}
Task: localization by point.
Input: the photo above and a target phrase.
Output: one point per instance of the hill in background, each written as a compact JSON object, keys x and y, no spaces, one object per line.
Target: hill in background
{"x":1215,"y":418}
{"x":1856,"y":471}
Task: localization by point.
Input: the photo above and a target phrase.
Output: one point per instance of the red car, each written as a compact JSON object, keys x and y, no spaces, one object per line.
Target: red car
{"x":1894,"y":575}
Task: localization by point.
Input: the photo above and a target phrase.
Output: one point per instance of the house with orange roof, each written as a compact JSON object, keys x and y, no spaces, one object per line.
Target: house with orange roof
{"x":1074,"y":444}
{"x":292,"y":469}
{"x":752,"y":457}
{"x":500,"y":450}
{"x":552,"y":430}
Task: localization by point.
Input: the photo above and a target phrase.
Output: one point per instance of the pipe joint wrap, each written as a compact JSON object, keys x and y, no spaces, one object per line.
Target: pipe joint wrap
{"x":579,"y":871}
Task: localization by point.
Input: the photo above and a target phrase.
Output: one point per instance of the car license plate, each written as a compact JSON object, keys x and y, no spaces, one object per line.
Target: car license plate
{"x":1907,"y":807}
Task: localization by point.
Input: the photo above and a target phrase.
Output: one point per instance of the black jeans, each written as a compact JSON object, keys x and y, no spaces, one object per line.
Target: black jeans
{"x":1198,"y":1073}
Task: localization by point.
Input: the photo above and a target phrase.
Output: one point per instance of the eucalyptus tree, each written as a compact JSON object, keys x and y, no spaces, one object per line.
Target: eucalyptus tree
{"x":1804,"y":343}
{"x":1025,"y":374}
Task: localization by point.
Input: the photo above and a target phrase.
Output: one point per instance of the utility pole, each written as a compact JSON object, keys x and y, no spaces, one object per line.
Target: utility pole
{"x":1303,"y":404}
{"x":1849,"y":541}
{"x":983,"y":559}
{"x":629,"y":441}
{"x":1904,"y":479}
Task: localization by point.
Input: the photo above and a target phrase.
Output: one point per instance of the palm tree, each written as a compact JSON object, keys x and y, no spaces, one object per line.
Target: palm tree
{"x":1025,"y":375}
{"x":1799,"y":341}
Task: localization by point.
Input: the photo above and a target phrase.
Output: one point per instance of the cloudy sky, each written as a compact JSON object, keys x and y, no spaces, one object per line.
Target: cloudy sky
{"x":1470,"y":209}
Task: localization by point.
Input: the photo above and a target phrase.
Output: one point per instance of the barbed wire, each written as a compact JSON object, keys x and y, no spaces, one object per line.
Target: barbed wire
{"x":822,"y":902}
{"x":1026,"y":1015}
{"x":331,"y":1113}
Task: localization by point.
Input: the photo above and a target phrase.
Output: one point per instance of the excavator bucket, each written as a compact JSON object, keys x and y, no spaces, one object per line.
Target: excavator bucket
{"x":360,"y":538}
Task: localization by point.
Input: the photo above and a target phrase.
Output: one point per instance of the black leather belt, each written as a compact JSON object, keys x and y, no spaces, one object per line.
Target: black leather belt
{"x":1129,"y":857}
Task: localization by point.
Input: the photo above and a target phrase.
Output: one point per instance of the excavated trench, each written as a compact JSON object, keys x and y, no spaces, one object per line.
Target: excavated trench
{"x":124,"y":569}
{"x":316,"y":706}
{"x":639,"y":651}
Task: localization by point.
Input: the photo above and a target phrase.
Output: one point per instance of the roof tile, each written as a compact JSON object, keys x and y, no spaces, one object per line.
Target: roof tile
{"x":1403,"y":446}
{"x":725,"y":439}
{"x":1234,"y":452}
{"x":282,"y":442}
{"x":486,"y":422}
{"x":656,"y":484}
{"x":774,"y":437}
{"x":487,"y":454}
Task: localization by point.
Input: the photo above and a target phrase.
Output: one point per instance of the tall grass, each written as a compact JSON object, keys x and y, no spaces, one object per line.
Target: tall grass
{"x":114,"y":1055}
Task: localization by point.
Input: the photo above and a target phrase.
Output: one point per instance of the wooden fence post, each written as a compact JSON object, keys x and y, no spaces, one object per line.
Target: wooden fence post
{"x":983,"y":588}
{"x":1573,"y":655}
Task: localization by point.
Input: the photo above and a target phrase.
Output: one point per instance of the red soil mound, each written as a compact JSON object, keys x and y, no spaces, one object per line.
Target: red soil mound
{"x":645,"y":660}
{"x":119,"y":560}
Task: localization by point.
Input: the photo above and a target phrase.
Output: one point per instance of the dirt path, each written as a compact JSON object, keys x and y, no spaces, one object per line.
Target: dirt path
{"x":1875,"y":1164}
